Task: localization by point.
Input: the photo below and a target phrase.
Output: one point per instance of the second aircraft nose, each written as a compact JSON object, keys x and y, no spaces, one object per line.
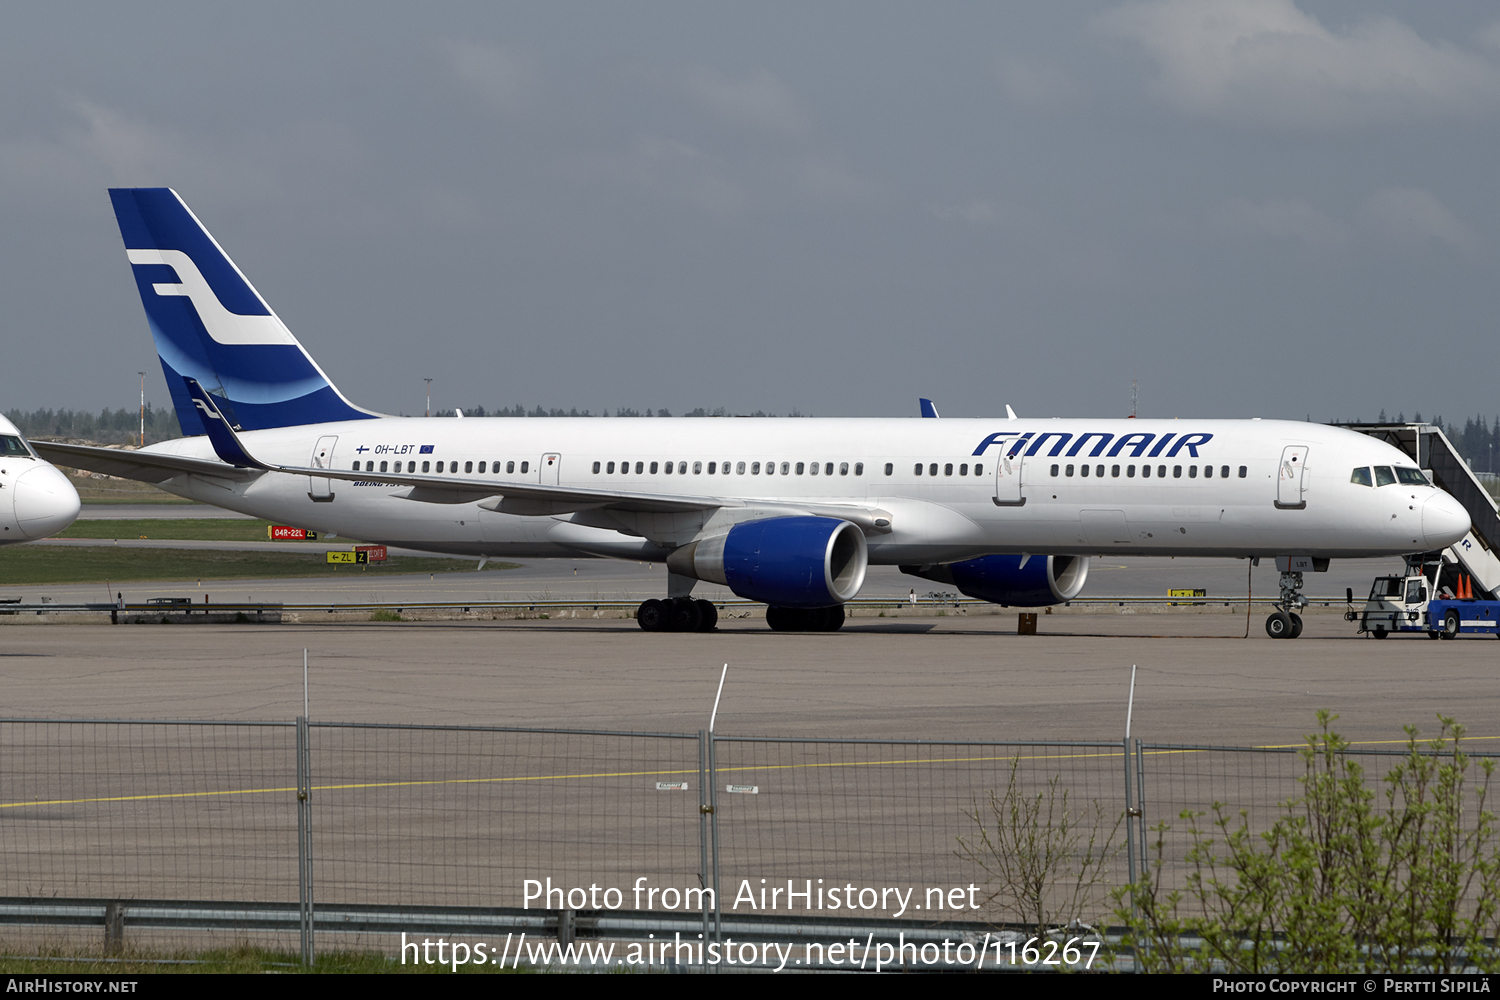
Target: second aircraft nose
{"x":46,"y":502}
{"x":1444,"y":521}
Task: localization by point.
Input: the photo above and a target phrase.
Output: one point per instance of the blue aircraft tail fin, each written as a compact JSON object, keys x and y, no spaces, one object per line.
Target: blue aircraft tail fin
{"x":211,"y":325}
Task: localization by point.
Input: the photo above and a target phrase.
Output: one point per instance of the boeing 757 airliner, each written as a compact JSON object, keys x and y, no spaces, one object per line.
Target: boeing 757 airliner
{"x":786,"y":512}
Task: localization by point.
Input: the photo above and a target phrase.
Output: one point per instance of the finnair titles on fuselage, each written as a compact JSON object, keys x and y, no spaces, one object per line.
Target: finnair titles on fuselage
{"x":784,"y":511}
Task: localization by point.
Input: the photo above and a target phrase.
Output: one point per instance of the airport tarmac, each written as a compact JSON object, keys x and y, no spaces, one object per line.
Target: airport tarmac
{"x":968,"y":678}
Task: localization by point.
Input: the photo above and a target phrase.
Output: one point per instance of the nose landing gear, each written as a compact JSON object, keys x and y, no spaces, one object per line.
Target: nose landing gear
{"x":1285,"y":623}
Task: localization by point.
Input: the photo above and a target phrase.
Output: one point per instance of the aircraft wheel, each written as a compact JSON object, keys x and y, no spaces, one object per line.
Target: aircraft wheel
{"x":1451,"y":625}
{"x":684,"y":615}
{"x":651,"y":616}
{"x":1278,"y":625}
{"x":833,"y":618}
{"x":780,"y":619}
{"x":709,"y":616}
{"x":1296,"y":626}
{"x":1380,"y":633}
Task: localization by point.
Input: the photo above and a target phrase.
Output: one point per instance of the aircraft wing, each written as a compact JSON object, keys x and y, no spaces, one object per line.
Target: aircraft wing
{"x":142,"y":466}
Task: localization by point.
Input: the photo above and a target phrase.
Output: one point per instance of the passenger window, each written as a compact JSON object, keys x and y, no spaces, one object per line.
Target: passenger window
{"x":978,"y":470}
{"x":827,"y":468}
{"x":640,"y":467}
{"x":711,"y":467}
{"x":1099,"y":471}
{"x":682,"y":468}
{"x":859,"y":468}
{"x":1114,"y":472}
{"x":1384,"y":476}
{"x":1208,"y":472}
{"x":1161,"y":471}
{"x":698,"y":468}
{"x":754,"y":468}
{"x":1068,"y":471}
{"x":786,"y":468}
{"x":948,"y":469}
{"x":1054,"y":472}
{"x":890,"y":468}
{"x":596,"y":468}
{"x":918,"y":470}
{"x":843,"y":468}
{"x":963,"y":470}
{"x":382,"y":466}
{"x":1223,"y":472}
{"x":483,"y":464}
{"x":524,"y":467}
{"x":739,"y":470}
{"x":1361,"y":477}
{"x":654,"y":467}
{"x":932,"y":469}
{"x":1083,"y":470}
{"x":1244,"y":471}
{"x":1176,"y":472}
{"x":510,"y":467}
{"x":426,"y":466}
{"x":813,"y":470}
{"x":1129,"y":472}
{"x":668,"y":468}
{"x":610,"y":468}
{"x":800,"y":467}
{"x":1145,"y":472}
{"x":1192,"y":472}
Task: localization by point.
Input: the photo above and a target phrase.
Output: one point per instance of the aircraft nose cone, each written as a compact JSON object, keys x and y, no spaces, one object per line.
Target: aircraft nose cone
{"x":1444,"y":521}
{"x":46,"y":502}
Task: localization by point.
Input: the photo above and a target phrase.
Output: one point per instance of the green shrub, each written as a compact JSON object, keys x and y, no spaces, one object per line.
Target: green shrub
{"x":1341,"y":882}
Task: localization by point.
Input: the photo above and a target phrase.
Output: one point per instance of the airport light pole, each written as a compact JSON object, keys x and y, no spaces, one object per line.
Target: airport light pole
{"x":143,"y":408}
{"x":429,"y":396}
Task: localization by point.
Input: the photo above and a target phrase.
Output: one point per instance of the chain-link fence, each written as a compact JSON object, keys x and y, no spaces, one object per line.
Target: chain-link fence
{"x":564,"y":827}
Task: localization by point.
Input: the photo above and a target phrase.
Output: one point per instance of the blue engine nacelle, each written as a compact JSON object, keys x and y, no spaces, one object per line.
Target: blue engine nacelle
{"x":1041,"y":581}
{"x":789,"y":562}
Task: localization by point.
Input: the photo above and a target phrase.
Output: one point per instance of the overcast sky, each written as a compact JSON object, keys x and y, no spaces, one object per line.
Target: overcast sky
{"x":1254,"y":208}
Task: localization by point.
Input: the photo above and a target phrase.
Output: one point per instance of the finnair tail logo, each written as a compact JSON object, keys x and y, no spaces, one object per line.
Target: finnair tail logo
{"x":222,"y":325}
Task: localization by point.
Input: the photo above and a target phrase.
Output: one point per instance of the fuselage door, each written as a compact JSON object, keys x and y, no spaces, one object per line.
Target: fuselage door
{"x":549,"y":469}
{"x":1291,"y":479}
{"x":1008,"y":477}
{"x":321,"y":490}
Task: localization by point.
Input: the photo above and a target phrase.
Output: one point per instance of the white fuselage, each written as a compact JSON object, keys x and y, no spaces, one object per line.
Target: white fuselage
{"x":36,"y":499}
{"x":1287,"y":491}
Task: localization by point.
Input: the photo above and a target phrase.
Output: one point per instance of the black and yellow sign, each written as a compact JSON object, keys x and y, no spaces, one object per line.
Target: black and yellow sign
{"x":349,"y":557}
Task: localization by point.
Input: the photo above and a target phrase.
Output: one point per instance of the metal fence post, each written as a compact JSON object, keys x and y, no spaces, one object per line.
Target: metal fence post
{"x":703,"y":811}
{"x":713,"y":821}
{"x":304,"y":840}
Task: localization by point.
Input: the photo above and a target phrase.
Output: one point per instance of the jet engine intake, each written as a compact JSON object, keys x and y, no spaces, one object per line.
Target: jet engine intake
{"x":1042,"y":580}
{"x":790,"y":562}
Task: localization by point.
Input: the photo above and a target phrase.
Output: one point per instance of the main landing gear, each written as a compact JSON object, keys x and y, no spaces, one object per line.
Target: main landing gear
{"x":1285,"y":623}
{"x":677,"y":614}
{"x":806,"y":619}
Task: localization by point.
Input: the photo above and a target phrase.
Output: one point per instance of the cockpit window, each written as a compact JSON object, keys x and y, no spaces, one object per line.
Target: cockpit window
{"x":1361,"y":477}
{"x":1411,"y":477}
{"x":1384,"y":476}
{"x":13,"y":447}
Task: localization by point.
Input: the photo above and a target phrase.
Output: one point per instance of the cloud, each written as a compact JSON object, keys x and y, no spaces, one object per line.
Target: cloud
{"x":1266,"y":62}
{"x":1410,"y":217}
{"x":504,"y":79}
{"x":1283,"y":219}
{"x":759,"y":100}
{"x":1028,"y":83}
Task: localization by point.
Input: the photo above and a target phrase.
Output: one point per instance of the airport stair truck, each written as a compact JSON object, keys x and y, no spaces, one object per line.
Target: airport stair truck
{"x":1446,"y":593}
